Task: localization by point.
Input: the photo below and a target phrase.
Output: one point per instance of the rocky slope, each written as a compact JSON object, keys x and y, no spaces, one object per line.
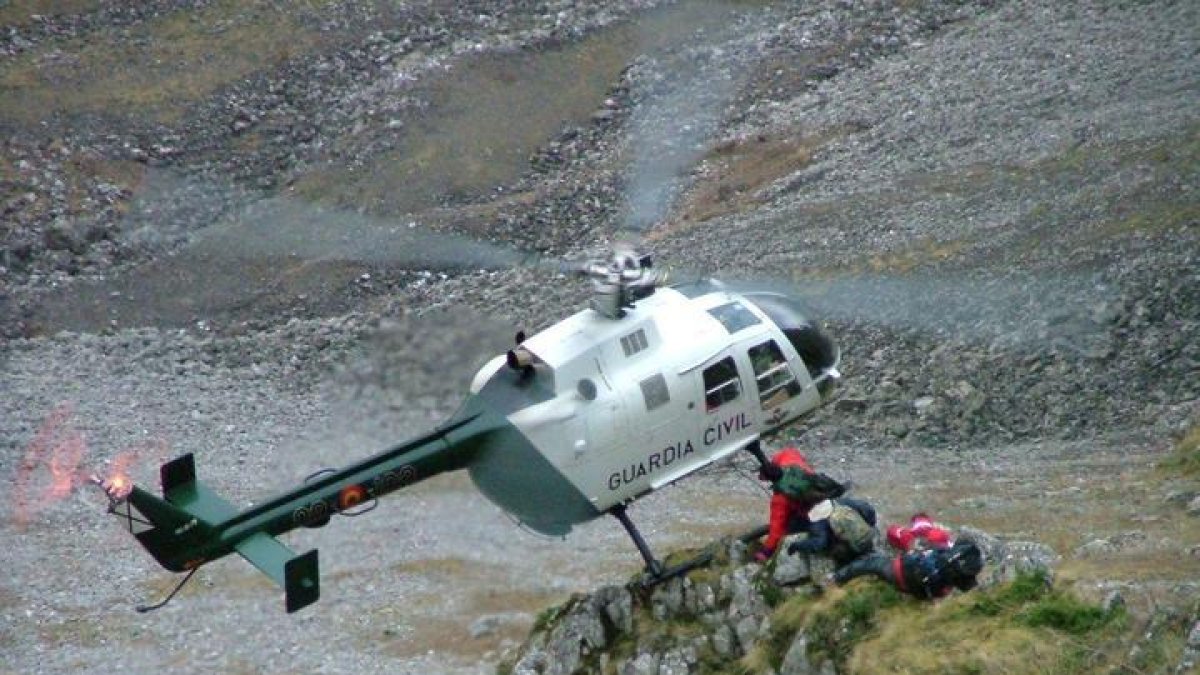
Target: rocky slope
{"x":738,"y":616}
{"x":281,"y":238}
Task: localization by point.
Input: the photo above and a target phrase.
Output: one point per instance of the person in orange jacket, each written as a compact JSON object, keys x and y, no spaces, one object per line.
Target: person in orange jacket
{"x":787,"y":514}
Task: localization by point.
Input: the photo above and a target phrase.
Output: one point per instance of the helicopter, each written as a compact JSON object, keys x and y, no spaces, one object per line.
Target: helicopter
{"x":647,"y":385}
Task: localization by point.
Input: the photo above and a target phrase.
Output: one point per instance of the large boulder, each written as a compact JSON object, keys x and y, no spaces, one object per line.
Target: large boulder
{"x":578,"y":630}
{"x":798,"y":568}
{"x":1005,"y":560}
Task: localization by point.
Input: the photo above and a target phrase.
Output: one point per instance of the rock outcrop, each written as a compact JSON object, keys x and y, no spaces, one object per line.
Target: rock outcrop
{"x":712,"y":618}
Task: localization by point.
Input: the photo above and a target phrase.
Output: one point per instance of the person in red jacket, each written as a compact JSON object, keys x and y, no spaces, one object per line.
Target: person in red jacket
{"x":787,"y":514}
{"x":922,"y":533}
{"x":932,"y":573}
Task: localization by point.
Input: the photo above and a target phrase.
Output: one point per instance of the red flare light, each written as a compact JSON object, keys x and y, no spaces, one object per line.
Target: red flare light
{"x":53,"y":467}
{"x":50,"y":469}
{"x":65,"y":473}
{"x":116,"y":482}
{"x":116,"y":487}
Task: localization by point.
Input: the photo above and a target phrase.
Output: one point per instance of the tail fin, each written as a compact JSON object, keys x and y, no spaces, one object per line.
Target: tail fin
{"x":183,"y":531}
{"x":179,"y":531}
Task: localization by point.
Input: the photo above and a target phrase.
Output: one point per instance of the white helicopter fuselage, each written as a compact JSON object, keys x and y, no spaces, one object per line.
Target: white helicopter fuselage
{"x":646,"y":387}
{"x":684,"y":378}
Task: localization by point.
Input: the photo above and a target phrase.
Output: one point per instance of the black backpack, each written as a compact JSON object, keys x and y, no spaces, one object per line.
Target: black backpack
{"x":965,"y":559}
{"x":955,"y":566}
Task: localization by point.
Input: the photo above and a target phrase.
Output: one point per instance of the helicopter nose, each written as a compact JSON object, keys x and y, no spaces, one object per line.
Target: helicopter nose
{"x":827,"y":383}
{"x":818,"y":350}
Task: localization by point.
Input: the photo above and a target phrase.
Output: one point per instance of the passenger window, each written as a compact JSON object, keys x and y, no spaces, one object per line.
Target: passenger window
{"x":655,"y":392}
{"x":774,"y":378}
{"x":721,"y":384}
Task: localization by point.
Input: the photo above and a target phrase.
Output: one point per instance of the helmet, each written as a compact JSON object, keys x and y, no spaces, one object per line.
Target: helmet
{"x":921,"y":523}
{"x":966,"y":559}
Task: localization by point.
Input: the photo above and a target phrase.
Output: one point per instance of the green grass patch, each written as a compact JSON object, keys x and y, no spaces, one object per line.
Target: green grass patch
{"x":739,"y":169}
{"x":1065,"y":613}
{"x":1184,"y":460}
{"x":161,"y":67}
{"x":835,"y":633}
{"x":1029,"y":600}
{"x":788,"y":618}
{"x":1156,"y":217}
{"x":1024,"y":626}
{"x":1023,"y":590}
{"x":834,"y":623}
{"x":18,"y":13}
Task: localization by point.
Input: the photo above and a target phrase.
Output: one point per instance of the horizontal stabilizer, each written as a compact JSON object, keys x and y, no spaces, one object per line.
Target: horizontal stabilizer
{"x":296,"y":575}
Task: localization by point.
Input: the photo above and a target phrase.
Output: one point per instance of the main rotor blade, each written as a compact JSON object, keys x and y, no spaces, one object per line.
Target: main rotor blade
{"x":290,"y":228}
{"x":1003,"y":308}
{"x":680,"y":101}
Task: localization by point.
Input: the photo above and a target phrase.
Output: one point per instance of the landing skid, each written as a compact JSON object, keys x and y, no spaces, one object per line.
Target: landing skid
{"x":679,"y":570}
{"x":655,"y":572}
{"x":702,"y":560}
{"x":654,"y":568}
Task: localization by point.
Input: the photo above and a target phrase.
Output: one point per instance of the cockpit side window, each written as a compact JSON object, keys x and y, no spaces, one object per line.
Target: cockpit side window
{"x":774,"y":377}
{"x":721,"y":384}
{"x":815,"y":348}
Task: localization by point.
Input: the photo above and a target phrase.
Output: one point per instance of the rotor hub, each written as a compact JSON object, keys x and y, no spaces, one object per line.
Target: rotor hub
{"x":620,"y":281}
